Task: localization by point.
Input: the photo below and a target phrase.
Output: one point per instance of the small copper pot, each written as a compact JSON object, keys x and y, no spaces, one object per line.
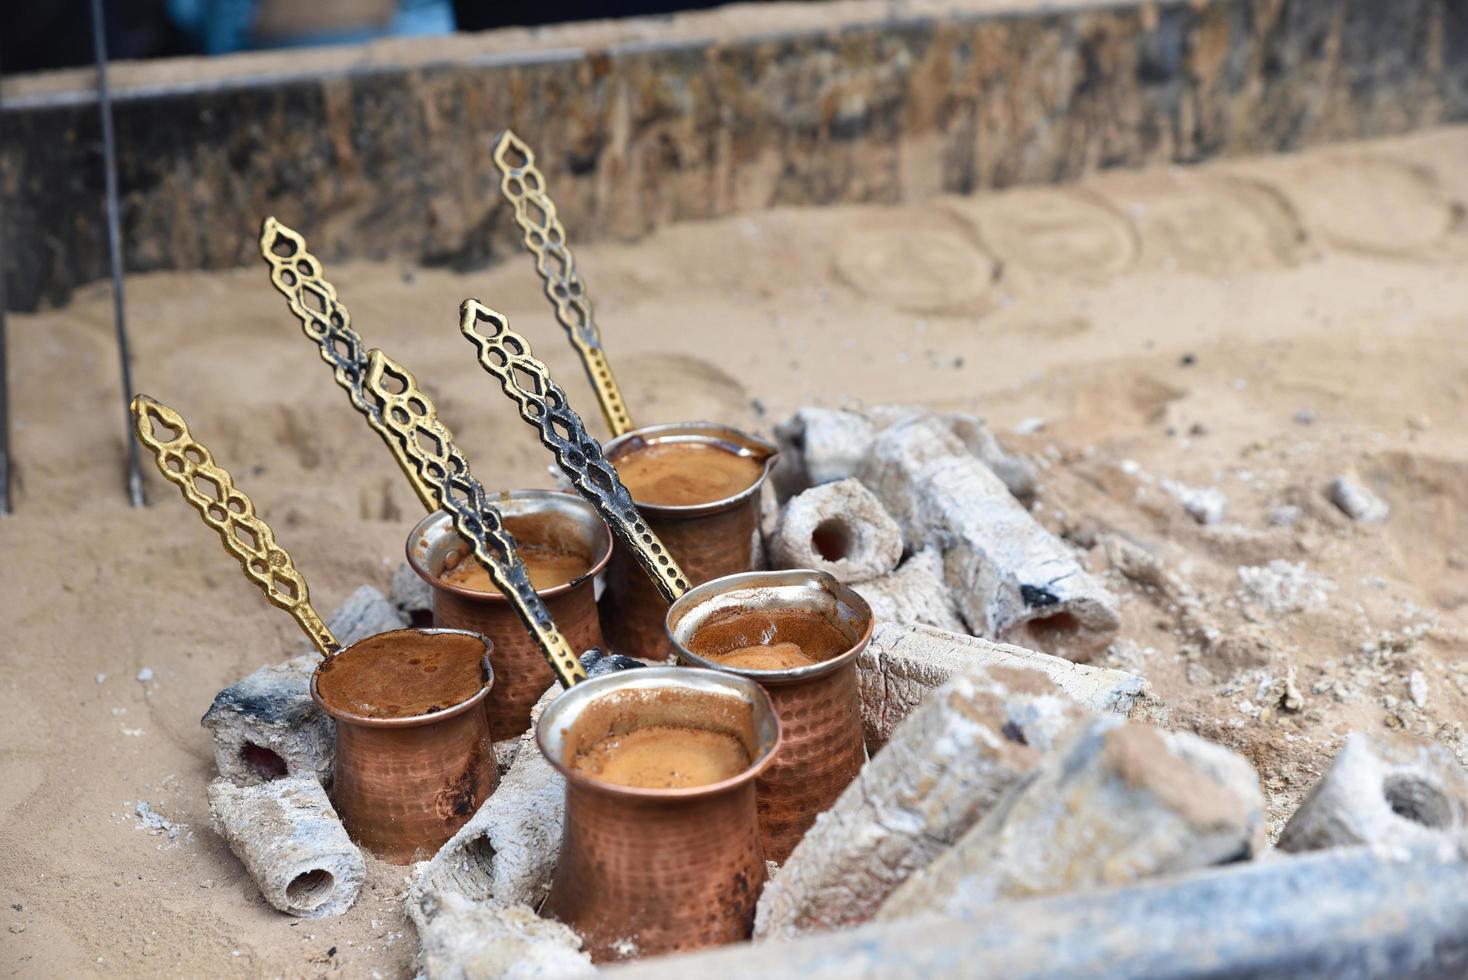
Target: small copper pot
{"x":403,"y":786}
{"x":649,"y":871}
{"x":819,"y":707}
{"x":707,"y":540}
{"x":521,"y":673}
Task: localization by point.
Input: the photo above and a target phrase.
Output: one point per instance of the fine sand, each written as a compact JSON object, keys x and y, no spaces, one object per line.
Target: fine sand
{"x":1257,"y":327}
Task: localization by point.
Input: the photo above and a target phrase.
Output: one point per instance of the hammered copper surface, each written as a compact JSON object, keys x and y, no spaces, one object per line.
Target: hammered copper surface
{"x":521,"y":673}
{"x":821,"y":753}
{"x":518,"y":663}
{"x":404,"y":786}
{"x":707,"y":542}
{"x":822,"y":746}
{"x":675,"y":875}
{"x":643,"y":872}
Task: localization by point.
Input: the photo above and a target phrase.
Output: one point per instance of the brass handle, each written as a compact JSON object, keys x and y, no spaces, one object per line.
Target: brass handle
{"x":410,"y":416}
{"x":524,"y":187}
{"x":506,"y":355}
{"x":325,"y":320}
{"x":208,"y":488}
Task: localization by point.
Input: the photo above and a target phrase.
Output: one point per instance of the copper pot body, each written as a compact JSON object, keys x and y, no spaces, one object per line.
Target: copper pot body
{"x":643,"y":872}
{"x":823,"y":748}
{"x":404,"y":786}
{"x":521,"y":672}
{"x":707,"y":540}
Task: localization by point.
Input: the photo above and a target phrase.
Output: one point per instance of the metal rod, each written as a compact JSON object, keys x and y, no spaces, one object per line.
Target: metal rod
{"x":4,"y":380}
{"x":114,"y":250}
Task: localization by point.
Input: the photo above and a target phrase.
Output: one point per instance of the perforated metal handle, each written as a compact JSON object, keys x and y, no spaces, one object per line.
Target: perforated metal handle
{"x":524,"y":187}
{"x":209,"y":489}
{"x":413,"y":422}
{"x":297,"y":274}
{"x":506,"y":355}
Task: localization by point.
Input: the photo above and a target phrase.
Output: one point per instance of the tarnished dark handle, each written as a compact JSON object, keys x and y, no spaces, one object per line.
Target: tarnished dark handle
{"x":426,"y":441}
{"x":324,"y":318}
{"x":506,"y":355}
{"x":524,"y":187}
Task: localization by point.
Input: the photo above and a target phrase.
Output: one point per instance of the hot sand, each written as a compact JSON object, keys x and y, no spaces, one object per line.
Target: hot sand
{"x":1257,"y":327}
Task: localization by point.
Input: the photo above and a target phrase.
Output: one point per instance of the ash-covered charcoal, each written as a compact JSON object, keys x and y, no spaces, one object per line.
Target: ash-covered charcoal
{"x":1120,"y":801}
{"x":466,"y":940}
{"x":839,"y":528}
{"x":411,"y":596}
{"x":914,"y":595}
{"x":823,"y":445}
{"x":506,"y":853}
{"x":1356,"y":501}
{"x":266,"y":726}
{"x":942,"y":770}
{"x":597,"y":662}
{"x":292,"y":843}
{"x":1381,"y":789}
{"x":903,"y":664}
{"x":1010,"y":578}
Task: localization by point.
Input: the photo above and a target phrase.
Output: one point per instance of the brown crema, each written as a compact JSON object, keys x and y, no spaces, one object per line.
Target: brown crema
{"x":663,"y":757}
{"x":769,"y":639}
{"x":402,"y":675}
{"x":553,"y":551}
{"x":678,"y":474}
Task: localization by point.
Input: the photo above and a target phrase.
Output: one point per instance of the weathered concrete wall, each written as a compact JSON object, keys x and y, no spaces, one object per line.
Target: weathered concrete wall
{"x":395,"y":159}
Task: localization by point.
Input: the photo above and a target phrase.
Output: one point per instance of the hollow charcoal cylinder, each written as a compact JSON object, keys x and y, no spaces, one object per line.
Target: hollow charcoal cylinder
{"x":1010,"y":578}
{"x":266,"y":726}
{"x":839,"y":528}
{"x":507,"y":851}
{"x":289,"y":838}
{"x":1381,"y":789}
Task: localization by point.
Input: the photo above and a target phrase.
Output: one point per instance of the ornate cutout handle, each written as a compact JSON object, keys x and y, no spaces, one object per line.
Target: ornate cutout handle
{"x":524,"y":187}
{"x":506,"y":355}
{"x":297,"y":274}
{"x":410,"y":416}
{"x":208,"y":488}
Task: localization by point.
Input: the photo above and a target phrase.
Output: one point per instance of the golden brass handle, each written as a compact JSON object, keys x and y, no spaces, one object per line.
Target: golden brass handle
{"x":410,"y":416}
{"x":297,"y":274}
{"x":524,"y":187}
{"x":507,"y":355}
{"x":209,"y":489}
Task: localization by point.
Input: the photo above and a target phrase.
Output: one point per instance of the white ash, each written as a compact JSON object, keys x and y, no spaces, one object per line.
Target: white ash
{"x":1284,"y":587}
{"x":156,"y":823}
{"x":1206,"y":505}
{"x":1356,"y":501}
{"x":1285,"y":515}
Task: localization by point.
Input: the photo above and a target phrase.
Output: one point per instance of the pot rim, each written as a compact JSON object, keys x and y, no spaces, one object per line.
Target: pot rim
{"x":748,"y":581}
{"x":434,"y":582}
{"x":411,"y":721}
{"x":716,"y":433}
{"x":709,"y":680}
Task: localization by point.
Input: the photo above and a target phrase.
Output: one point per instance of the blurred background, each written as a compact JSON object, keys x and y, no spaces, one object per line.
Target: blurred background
{"x":57,"y":33}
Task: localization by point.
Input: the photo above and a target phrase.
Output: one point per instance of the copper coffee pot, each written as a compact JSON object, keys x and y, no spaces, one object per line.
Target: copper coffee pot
{"x":707,"y":540}
{"x":522,"y":674}
{"x":818,"y":705}
{"x":648,"y":871}
{"x":507,"y":355}
{"x":388,"y":396}
{"x":402,"y":785}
